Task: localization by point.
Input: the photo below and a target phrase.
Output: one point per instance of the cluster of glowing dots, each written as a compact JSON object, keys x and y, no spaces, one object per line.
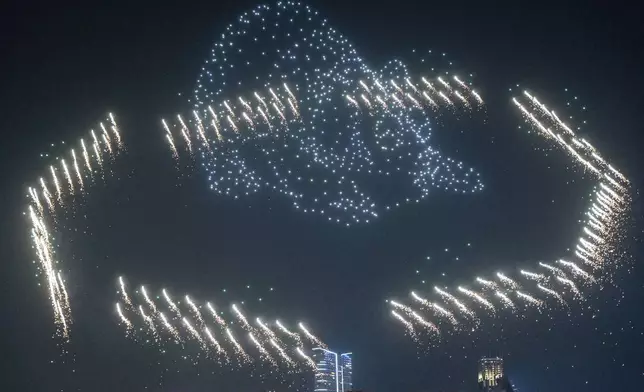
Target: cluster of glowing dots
{"x":552,"y":283}
{"x":283,"y":71}
{"x":228,"y":337}
{"x":67,"y":177}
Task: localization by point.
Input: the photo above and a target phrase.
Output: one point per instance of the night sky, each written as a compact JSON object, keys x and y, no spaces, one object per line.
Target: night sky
{"x":66,"y":66}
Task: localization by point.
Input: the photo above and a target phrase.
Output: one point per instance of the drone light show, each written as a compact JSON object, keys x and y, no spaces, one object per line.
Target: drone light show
{"x":285,"y":106}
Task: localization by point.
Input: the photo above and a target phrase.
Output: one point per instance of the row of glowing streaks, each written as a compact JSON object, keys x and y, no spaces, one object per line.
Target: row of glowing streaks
{"x":271,"y":109}
{"x":427,"y":94}
{"x":610,"y":196}
{"x":75,"y":175}
{"x":579,"y":148}
{"x":504,"y":290}
{"x":322,"y":87}
{"x":75,"y":168}
{"x":555,"y":280}
{"x":47,"y":265}
{"x":274,"y":344}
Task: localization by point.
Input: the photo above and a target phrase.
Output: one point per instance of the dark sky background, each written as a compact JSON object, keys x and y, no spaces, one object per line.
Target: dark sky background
{"x":66,"y":66}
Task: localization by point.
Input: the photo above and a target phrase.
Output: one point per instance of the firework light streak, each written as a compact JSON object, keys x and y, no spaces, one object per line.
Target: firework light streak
{"x":552,"y":293}
{"x":241,"y":317}
{"x":310,"y":336}
{"x":77,"y":170}
{"x":426,"y":324}
{"x":148,"y":300}
{"x":126,"y":297}
{"x":86,"y":156}
{"x":214,"y":341}
{"x":507,"y":302}
{"x":124,"y":319}
{"x":600,"y":231}
{"x":193,"y":331}
{"x":36,"y":200}
{"x":507,"y":281}
{"x":461,"y":306}
{"x":68,"y":176}
{"x":170,"y":139}
{"x":430,"y":100}
{"x":478,"y":97}
{"x":294,"y":335}
{"x":207,"y":339}
{"x":408,"y":325}
{"x":148,"y":320}
{"x":553,"y":269}
{"x":115,"y":129}
{"x":195,"y":309}
{"x":529,"y":299}
{"x":402,"y":307}
{"x":577,"y":270}
{"x":266,"y":329}
{"x":533,"y":276}
{"x":59,"y":192}
{"x":106,"y":136}
{"x":98,"y":155}
{"x":308,"y":359}
{"x":570,"y":284}
{"x":479,"y":298}
{"x":63,"y":290}
{"x":488,"y":284}
{"x":173,"y":331}
{"x":216,"y":316}
{"x":171,"y":303}
{"x":282,"y":353}
{"x":42,"y":238}
{"x":293,"y":106}
{"x":107,"y":143}
{"x":238,"y":348}
{"x":436,"y":308}
{"x":46,"y":194}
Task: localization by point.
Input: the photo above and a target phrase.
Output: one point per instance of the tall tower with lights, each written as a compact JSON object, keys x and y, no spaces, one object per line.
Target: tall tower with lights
{"x":490,"y":373}
{"x":334,"y":372}
{"x":346,"y":372}
{"x":326,"y":375}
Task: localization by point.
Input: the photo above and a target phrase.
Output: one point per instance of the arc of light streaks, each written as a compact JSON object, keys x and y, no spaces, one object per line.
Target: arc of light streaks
{"x":592,"y":247}
{"x":227,"y":350}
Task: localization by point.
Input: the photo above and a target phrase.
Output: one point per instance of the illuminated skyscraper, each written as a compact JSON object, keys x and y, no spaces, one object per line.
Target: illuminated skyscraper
{"x":326,"y":379}
{"x":346,"y":372}
{"x":334,"y":372}
{"x":490,"y":373}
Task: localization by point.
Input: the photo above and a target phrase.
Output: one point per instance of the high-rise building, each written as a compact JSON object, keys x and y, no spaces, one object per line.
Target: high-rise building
{"x":334,"y":372}
{"x":490,"y":372}
{"x":326,"y":362}
{"x":346,"y":372}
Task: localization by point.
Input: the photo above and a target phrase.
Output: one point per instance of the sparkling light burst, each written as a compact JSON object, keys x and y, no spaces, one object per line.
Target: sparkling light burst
{"x":213,"y":337}
{"x":44,"y":222}
{"x":590,"y":257}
